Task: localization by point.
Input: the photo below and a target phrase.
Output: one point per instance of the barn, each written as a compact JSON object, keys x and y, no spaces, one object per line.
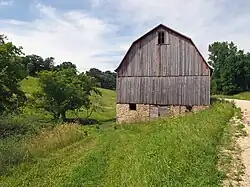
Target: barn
{"x":163,"y":73}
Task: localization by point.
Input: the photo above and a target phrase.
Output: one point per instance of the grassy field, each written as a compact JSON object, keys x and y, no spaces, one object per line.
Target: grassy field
{"x":241,"y":96}
{"x":180,"y":151}
{"x":107,"y":114}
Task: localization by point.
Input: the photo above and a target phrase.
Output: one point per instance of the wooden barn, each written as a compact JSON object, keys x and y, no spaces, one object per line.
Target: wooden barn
{"x":162,"y":73}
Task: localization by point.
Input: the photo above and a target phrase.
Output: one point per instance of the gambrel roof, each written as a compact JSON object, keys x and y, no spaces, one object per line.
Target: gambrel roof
{"x":173,"y":31}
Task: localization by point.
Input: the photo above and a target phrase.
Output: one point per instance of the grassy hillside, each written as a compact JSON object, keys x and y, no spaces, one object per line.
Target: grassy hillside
{"x":241,"y":96}
{"x":106,"y":114}
{"x":180,"y":151}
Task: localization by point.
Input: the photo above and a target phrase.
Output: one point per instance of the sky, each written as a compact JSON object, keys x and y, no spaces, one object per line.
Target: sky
{"x":97,"y":33}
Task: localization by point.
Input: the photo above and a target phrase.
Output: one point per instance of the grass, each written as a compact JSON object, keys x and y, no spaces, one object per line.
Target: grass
{"x":181,"y":151}
{"x":172,"y":152}
{"x":178,"y":151}
{"x":241,"y":96}
{"x":30,"y":85}
{"x":17,"y":150}
{"x":230,"y":161}
{"x":105,"y":115}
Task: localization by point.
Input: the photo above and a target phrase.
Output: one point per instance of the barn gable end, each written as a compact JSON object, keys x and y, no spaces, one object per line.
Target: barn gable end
{"x":169,"y":59}
{"x":158,"y":76}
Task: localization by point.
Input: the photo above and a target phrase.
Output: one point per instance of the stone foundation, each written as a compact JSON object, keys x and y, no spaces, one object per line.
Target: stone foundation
{"x":124,"y":114}
{"x":146,"y":112}
{"x":198,"y":108}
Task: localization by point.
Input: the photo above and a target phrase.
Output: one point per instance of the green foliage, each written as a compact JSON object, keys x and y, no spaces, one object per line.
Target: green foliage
{"x":241,"y":96}
{"x":65,"y":65}
{"x":35,"y":64}
{"x":17,"y":150}
{"x":12,"y":72}
{"x":30,"y":85}
{"x":231,"y":68}
{"x":16,"y":125}
{"x":64,"y":90}
{"x":106,"y":79}
{"x":181,"y":151}
{"x":171,"y":152}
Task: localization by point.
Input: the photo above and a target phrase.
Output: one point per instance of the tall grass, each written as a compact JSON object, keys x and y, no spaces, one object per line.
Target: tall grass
{"x":180,"y":151}
{"x":16,"y":150}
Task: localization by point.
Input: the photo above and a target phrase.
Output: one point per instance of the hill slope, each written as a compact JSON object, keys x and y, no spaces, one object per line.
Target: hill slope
{"x":106,"y":114}
{"x":180,"y":151}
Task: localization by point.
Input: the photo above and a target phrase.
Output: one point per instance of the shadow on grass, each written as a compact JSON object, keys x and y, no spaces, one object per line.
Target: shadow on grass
{"x":111,"y":120}
{"x":214,"y":100}
{"x":82,"y":121}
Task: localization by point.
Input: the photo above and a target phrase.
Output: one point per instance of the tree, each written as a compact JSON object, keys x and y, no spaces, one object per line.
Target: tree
{"x":33,"y":64}
{"x":106,"y":79}
{"x":109,"y":81}
{"x":48,"y":64}
{"x":66,"y":65}
{"x":36,"y":64}
{"x":231,"y":67}
{"x":64,"y":90}
{"x":12,"y":71}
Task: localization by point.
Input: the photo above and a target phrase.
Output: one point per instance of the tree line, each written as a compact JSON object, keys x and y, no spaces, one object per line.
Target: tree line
{"x":35,"y":64}
{"x":62,"y":87}
{"x":231,"y":65}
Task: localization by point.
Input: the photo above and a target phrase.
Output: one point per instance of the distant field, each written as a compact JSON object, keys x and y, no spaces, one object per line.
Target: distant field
{"x":241,"y":96}
{"x":180,"y":151}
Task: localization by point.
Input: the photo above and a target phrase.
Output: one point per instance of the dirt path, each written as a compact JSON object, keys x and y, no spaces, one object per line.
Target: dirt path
{"x":245,"y":141}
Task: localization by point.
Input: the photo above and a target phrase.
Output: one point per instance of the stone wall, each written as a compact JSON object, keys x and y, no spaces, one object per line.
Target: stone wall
{"x":146,"y":112}
{"x":154,"y":111}
{"x":124,"y":114}
{"x":198,"y":108}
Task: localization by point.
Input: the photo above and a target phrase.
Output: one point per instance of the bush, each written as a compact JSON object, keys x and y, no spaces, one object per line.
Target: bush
{"x":21,"y":125}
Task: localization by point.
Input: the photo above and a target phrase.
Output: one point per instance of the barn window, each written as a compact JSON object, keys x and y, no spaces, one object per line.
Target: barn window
{"x":132,"y":106}
{"x":161,"y":37}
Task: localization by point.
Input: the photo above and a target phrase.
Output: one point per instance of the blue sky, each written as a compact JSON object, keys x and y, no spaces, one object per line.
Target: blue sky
{"x":97,"y":33}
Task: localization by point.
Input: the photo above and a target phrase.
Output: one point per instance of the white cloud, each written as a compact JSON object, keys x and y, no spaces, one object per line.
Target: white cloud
{"x":72,"y":36}
{"x":6,"y":3}
{"x":97,"y":37}
{"x":203,"y":21}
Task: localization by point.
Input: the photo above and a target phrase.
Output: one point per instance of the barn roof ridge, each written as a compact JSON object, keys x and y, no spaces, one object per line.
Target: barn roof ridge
{"x":172,"y":30}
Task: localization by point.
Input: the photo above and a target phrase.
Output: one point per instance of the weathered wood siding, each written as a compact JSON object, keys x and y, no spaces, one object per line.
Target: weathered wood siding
{"x":169,"y":74}
{"x":178,"y":57}
{"x":184,"y":90}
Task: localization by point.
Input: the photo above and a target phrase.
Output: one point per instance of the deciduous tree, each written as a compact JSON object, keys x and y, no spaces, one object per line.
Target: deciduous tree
{"x":12,"y":71}
{"x":64,"y":90}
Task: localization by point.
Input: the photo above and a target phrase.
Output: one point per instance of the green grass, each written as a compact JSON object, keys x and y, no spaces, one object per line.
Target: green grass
{"x":105,"y":115}
{"x":30,"y":85}
{"x":241,"y":96}
{"x":178,"y":151}
{"x":181,"y":151}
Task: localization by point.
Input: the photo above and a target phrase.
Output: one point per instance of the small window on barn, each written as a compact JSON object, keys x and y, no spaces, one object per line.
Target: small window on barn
{"x":132,"y":106}
{"x":161,"y":37}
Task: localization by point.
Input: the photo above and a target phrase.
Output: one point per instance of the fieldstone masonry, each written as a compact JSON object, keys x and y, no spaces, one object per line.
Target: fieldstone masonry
{"x":146,"y":112}
{"x":125,"y":115}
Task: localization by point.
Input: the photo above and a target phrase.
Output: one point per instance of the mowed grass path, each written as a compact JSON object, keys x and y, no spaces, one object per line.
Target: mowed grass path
{"x":240,"y":96}
{"x":181,"y":151}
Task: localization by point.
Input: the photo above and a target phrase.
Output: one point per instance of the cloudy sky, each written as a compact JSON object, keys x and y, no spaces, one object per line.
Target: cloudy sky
{"x":97,"y":33}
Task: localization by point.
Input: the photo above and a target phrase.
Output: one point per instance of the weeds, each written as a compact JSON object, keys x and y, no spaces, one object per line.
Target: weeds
{"x":230,"y":155}
{"x":180,"y":151}
{"x":17,"y":150}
